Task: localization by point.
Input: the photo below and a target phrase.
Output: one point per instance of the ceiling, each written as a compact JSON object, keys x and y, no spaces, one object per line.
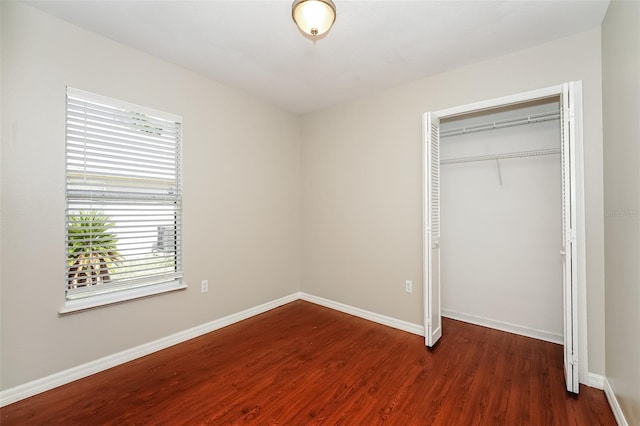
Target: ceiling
{"x":373,"y":45}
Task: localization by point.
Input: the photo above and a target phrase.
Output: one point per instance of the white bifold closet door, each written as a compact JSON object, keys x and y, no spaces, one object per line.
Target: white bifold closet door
{"x":570,"y":106}
{"x":569,"y":246}
{"x":431,"y":151}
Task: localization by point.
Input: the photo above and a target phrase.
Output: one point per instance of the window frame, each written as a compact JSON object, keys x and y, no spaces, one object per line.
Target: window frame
{"x":120,"y":291}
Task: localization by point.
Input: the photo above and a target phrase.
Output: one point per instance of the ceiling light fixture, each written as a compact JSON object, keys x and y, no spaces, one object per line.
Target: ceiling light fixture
{"x":314,"y":17}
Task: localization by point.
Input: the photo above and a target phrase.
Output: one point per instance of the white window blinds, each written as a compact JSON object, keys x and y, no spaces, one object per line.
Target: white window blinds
{"x":123,"y":197}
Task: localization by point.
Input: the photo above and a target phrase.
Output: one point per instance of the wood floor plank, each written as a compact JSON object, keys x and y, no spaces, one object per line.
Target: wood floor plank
{"x":302,"y":364}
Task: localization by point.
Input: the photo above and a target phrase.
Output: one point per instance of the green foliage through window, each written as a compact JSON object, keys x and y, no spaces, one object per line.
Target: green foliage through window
{"x":92,"y":250}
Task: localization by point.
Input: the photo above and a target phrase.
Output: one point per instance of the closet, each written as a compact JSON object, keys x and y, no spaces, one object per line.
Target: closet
{"x":501,"y":218}
{"x":504,"y":224}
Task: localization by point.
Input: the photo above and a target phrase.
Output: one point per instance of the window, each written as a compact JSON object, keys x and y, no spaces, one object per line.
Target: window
{"x":123,"y":201}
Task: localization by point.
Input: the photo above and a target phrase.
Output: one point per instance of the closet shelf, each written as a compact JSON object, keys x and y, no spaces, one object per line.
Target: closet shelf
{"x":527,"y":119}
{"x":520,"y":154}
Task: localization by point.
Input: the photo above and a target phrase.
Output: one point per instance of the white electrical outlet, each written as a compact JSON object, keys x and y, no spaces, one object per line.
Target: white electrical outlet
{"x":408,"y":286}
{"x":204,"y":286}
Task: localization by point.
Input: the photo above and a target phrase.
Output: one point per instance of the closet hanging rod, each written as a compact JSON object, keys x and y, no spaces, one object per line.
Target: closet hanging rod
{"x":527,"y":119}
{"x":520,"y":154}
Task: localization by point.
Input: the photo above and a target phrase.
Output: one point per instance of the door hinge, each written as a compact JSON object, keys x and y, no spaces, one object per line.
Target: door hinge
{"x":574,"y":360}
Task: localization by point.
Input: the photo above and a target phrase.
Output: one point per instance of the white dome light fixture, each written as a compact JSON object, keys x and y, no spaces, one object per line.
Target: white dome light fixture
{"x":314,"y":17}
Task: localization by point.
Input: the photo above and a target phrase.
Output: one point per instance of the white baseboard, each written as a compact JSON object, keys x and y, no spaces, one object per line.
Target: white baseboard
{"x":595,"y":381}
{"x":613,"y":403}
{"x":505,"y":326}
{"x":67,"y":376}
{"x":368,"y":315}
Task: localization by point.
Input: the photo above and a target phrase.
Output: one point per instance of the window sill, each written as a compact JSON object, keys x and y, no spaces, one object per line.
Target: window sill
{"x":72,"y":306}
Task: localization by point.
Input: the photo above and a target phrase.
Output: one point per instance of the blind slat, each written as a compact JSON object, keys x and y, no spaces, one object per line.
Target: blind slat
{"x":120,"y":115}
{"x":91,"y":195}
{"x":81,"y":147}
{"x":107,"y":133}
{"x":91,"y":162}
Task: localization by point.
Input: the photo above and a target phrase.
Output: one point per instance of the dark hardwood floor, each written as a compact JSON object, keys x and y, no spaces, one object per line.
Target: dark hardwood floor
{"x":304,"y":364}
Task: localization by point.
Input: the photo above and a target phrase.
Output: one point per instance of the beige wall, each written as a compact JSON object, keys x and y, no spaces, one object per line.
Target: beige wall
{"x":362,"y":174}
{"x":621,"y":107}
{"x":241,"y":196}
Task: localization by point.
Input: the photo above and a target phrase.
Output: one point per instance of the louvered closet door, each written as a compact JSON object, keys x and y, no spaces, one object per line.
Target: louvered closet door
{"x":569,"y":246}
{"x":431,"y":150}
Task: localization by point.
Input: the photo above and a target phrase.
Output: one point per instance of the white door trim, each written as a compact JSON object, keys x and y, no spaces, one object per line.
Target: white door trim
{"x":532,"y":95}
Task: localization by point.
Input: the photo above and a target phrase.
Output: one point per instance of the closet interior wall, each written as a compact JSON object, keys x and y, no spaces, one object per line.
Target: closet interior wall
{"x":501,"y":221}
